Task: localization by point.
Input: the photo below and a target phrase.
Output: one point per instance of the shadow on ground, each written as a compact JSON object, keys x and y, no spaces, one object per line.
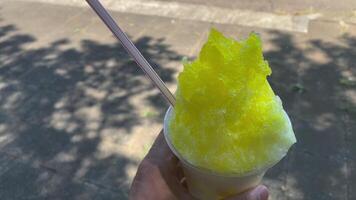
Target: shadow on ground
{"x":57,"y":104}
{"x":317,"y":85}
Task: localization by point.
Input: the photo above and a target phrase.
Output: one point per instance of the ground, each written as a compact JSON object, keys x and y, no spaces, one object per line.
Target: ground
{"x":77,"y":115}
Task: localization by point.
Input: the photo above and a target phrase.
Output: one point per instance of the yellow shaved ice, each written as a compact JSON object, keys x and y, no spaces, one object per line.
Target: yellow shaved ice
{"x":227,"y":118}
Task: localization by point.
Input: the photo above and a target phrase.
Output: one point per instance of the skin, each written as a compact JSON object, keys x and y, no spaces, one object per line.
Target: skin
{"x":160,"y":177}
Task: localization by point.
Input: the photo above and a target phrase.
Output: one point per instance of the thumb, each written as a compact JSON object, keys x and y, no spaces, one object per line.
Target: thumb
{"x":258,"y":193}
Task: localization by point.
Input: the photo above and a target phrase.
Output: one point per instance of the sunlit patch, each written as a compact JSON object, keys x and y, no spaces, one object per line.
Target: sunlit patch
{"x":12,"y":100}
{"x":61,"y":120}
{"x":6,"y":135}
{"x":130,"y":171}
{"x":90,"y":115}
{"x":65,"y":157}
{"x":324,"y":121}
{"x":276,"y":186}
{"x":3,"y":85}
{"x":6,"y":139}
{"x":89,"y":69}
{"x":113,"y":142}
{"x":111,"y":63}
{"x":77,"y":138}
{"x":351,"y":96}
{"x":61,"y":71}
{"x":293,"y":190}
{"x":345,"y":170}
{"x":317,"y":56}
{"x":95,"y":93}
{"x":2,"y":128}
{"x":85,"y":165}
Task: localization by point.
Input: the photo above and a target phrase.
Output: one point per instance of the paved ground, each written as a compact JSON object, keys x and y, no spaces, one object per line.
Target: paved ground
{"x":77,"y":115}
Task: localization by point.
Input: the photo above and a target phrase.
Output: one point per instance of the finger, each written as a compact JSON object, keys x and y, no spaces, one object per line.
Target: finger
{"x":162,"y":156}
{"x":258,"y":193}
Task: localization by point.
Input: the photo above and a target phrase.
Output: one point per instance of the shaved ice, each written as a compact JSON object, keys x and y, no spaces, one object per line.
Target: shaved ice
{"x":227,"y":118}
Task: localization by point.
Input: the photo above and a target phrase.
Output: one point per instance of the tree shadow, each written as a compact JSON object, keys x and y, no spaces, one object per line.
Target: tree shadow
{"x":57,"y":103}
{"x":309,"y":76}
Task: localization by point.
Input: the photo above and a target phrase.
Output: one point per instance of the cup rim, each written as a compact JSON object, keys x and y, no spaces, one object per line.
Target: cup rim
{"x":205,"y":170}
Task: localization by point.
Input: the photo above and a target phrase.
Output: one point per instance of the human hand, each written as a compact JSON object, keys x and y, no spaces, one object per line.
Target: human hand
{"x":160,"y":177}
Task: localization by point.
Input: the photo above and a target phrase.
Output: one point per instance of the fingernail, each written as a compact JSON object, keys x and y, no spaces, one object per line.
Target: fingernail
{"x":262,"y":192}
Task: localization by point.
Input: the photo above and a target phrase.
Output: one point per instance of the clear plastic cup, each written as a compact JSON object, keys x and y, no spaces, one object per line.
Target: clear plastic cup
{"x":205,"y":184}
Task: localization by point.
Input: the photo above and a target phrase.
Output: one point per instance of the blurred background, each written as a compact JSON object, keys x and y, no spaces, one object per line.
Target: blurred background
{"x":77,"y":115}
